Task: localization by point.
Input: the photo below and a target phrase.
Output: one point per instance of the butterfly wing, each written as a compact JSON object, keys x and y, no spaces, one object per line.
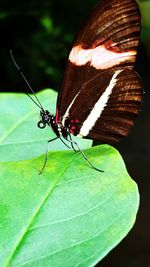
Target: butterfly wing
{"x":111,"y":115}
{"x":106,"y":44}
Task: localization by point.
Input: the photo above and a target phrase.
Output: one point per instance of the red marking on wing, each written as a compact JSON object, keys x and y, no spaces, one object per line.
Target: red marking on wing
{"x":72,"y":129}
{"x":56,"y":117}
{"x":109,"y":45}
{"x":73,"y":125}
{"x":76,"y":121}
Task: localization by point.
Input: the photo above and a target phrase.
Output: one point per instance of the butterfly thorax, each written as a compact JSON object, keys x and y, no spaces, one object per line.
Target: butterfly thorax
{"x":48,"y":119}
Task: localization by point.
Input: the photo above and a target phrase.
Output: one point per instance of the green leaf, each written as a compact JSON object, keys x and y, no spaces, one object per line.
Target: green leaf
{"x":71,"y":215}
{"x":20,"y":138}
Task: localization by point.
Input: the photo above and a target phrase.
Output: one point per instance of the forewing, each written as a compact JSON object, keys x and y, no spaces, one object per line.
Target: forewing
{"x":108,"y":39}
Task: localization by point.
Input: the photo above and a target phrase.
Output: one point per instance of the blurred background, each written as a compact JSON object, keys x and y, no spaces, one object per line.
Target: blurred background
{"x":40,"y":34}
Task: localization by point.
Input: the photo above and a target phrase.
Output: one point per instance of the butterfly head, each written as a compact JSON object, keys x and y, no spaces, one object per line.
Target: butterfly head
{"x":46,"y":119}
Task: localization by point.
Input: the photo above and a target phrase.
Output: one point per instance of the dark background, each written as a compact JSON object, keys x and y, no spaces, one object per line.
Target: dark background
{"x":40,"y":34}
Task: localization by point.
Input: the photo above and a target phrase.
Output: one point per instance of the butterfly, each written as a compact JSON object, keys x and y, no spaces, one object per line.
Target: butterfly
{"x":101,"y":94}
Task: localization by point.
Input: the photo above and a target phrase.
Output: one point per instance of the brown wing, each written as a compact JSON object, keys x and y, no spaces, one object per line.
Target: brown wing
{"x":121,"y":110}
{"x":108,"y":39}
{"x":107,"y":117}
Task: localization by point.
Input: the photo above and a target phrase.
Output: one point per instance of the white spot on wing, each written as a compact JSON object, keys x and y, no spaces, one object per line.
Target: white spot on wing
{"x":99,"y":107}
{"x":99,"y":57}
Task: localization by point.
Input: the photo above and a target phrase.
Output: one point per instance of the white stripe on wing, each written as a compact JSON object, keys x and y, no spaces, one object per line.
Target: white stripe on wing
{"x":98,"y":107}
{"x":67,"y":111}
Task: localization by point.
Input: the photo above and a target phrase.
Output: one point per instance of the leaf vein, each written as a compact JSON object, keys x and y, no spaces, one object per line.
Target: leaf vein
{"x":75,"y":216}
{"x":24,"y":232}
{"x":74,"y":245}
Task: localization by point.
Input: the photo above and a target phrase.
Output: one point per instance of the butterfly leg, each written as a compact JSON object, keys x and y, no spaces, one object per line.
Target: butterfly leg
{"x":72,"y":144}
{"x":64,"y":142}
{"x":84,"y":156}
{"x":46,"y":154}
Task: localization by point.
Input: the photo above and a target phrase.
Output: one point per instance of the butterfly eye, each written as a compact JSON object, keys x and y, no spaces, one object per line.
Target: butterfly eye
{"x":41,"y":124}
{"x":46,"y":118}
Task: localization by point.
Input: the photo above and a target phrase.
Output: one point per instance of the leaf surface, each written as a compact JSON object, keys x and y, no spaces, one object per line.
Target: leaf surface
{"x":71,"y":215}
{"x":20,"y":138}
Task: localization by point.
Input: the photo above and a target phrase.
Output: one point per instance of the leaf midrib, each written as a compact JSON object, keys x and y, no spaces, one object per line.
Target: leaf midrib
{"x":78,"y":243}
{"x":8,"y":261}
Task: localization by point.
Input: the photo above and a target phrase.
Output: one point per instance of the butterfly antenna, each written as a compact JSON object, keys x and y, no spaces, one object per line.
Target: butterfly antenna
{"x":26,"y":81}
